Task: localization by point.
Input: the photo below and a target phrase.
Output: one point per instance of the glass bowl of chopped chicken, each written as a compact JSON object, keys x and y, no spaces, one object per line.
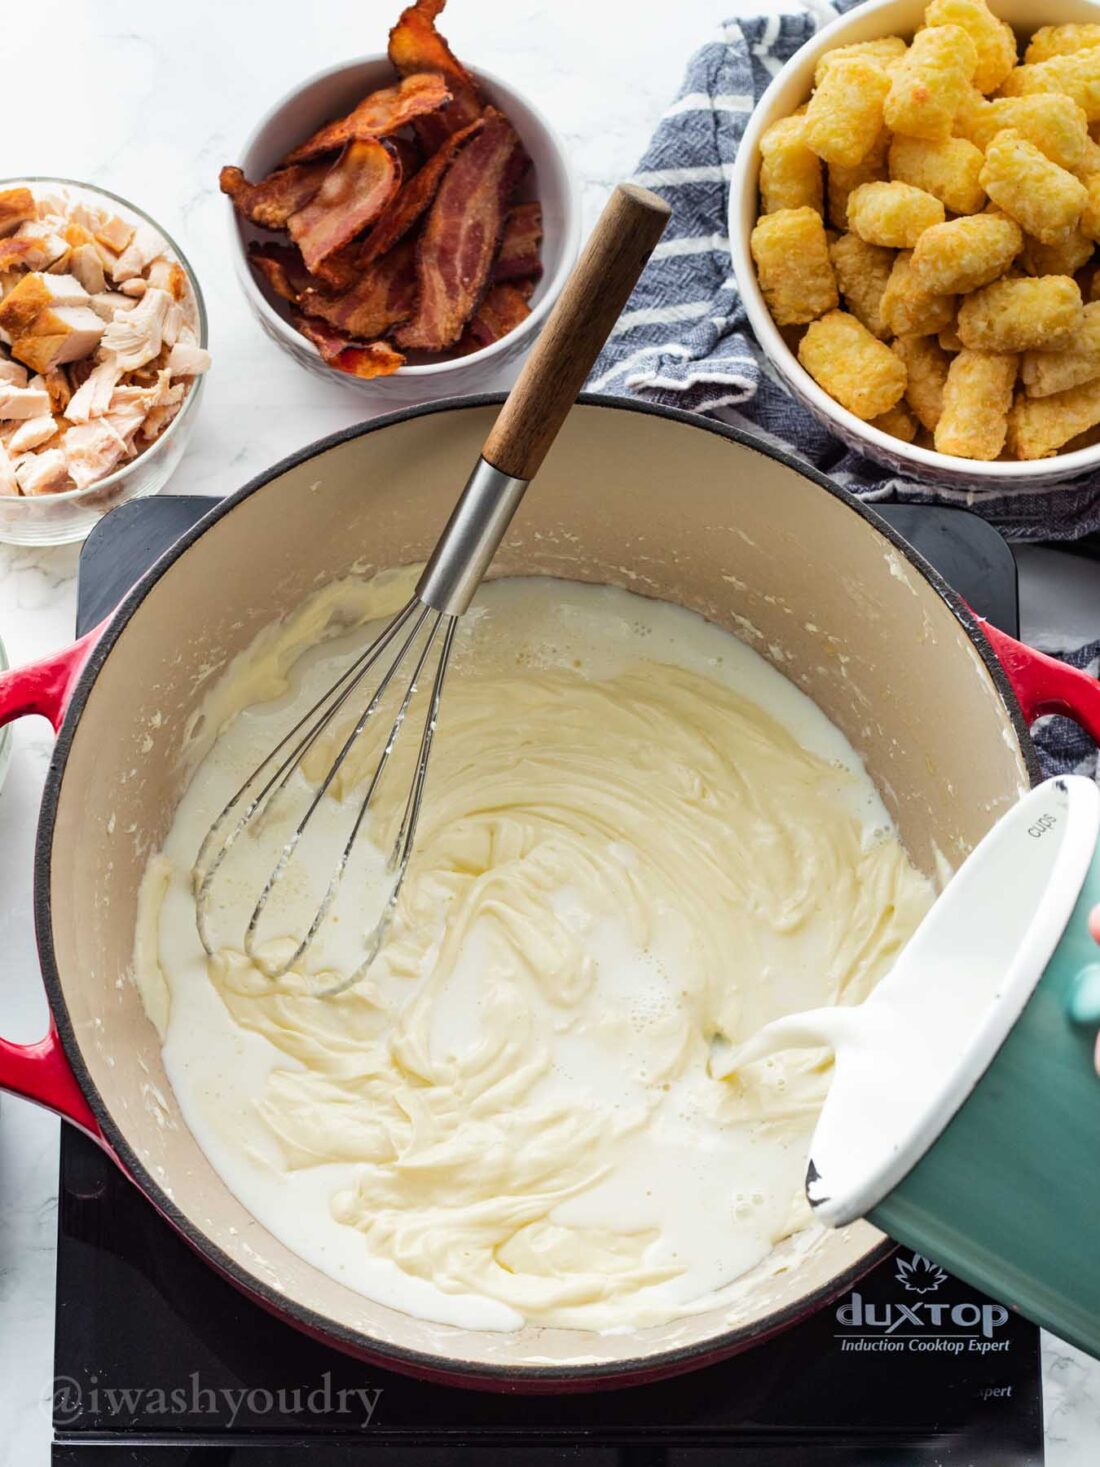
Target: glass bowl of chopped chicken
{"x":102,"y":353}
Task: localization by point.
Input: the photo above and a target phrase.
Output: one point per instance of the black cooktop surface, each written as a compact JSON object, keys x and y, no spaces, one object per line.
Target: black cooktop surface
{"x":159,"y":1360}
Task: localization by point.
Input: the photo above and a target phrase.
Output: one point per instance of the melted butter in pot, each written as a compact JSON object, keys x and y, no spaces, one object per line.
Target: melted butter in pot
{"x":637,"y":836}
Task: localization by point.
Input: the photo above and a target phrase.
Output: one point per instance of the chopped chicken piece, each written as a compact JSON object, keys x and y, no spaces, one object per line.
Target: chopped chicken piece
{"x":107,"y":302}
{"x":50,"y":205}
{"x":21,"y":307}
{"x":159,"y":417}
{"x":59,"y":388}
{"x":115,"y":233}
{"x":136,"y":287}
{"x":91,"y":451}
{"x":126,"y":397}
{"x":23,"y":402}
{"x":42,"y":473}
{"x":16,"y":207}
{"x":32,"y":434}
{"x":50,"y":245}
{"x":19,"y":252}
{"x":12,"y":374}
{"x":107,"y":258}
{"x":8,"y":482}
{"x":57,"y":337}
{"x":48,"y":320}
{"x":168,"y":275}
{"x":145,"y":247}
{"x":185,"y":360}
{"x":86,"y":266}
{"x":93,"y":397}
{"x":135,"y":336}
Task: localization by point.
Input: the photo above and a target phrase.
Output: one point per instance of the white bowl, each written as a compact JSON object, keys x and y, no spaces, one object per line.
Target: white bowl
{"x":788,"y":90}
{"x":331,"y":93}
{"x":60,"y":519}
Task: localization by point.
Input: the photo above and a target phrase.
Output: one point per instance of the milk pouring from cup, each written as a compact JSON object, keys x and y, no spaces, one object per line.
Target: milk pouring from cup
{"x":964,"y":1114}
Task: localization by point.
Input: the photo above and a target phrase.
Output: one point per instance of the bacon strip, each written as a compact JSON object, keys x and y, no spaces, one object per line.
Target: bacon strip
{"x":271,"y":202}
{"x":416,"y":46}
{"x":382,"y":297}
{"x":460,"y":238}
{"x":502,"y":309}
{"x":375,"y":359}
{"x":328,"y":341}
{"x":378,"y":359}
{"x":413,"y":197}
{"x":378,"y":115}
{"x":518,"y":258}
{"x":355,"y":191}
{"x":282,"y":267}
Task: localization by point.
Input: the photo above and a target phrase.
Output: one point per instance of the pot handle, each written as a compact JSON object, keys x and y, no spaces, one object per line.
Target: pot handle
{"x":1042,"y":684}
{"x":41,"y":1071}
{"x":44,"y":687}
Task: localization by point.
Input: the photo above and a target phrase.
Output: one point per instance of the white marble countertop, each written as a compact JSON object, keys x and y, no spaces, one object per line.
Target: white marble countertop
{"x":149,"y":101}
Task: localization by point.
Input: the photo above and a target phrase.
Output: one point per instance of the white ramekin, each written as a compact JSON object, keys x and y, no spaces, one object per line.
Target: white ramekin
{"x":331,"y":93}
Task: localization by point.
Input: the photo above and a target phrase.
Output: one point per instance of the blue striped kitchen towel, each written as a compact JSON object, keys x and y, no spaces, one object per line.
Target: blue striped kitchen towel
{"x":684,"y":338}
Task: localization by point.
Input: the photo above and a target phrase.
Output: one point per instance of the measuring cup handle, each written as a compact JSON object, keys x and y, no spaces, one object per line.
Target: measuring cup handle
{"x":1042,"y":684}
{"x":41,"y":1071}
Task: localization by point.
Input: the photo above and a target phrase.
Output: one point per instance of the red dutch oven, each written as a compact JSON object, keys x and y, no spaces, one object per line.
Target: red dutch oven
{"x":664,"y":503}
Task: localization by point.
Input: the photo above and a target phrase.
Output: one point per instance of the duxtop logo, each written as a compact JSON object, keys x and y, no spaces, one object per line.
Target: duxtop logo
{"x":921,"y":1324}
{"x":919,"y":1274}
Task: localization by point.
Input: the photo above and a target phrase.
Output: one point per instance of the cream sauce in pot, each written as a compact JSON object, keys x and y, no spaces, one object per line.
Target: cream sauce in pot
{"x":639,"y":842}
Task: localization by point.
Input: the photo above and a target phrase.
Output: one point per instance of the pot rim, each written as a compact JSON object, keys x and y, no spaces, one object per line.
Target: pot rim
{"x":627,"y":1372}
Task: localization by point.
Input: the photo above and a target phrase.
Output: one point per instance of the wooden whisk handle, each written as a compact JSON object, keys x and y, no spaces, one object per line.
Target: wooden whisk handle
{"x":577,"y":327}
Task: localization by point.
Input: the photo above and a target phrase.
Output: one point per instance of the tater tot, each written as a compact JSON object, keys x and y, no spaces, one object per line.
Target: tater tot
{"x":1064,"y":258}
{"x":964,"y":254}
{"x":1060,"y":40}
{"x":898,"y":421}
{"x":845,"y":113}
{"x":1089,"y":162}
{"x":908,"y":309}
{"x":1090,"y":214}
{"x":862,"y":271}
{"x":860,"y":372}
{"x":929,"y":83}
{"x":886,"y":50}
{"x":950,"y":340}
{"x":1045,"y":200}
{"x":1055,"y":124}
{"x":1039,"y":426}
{"x":977,"y":397}
{"x":790,"y":172}
{"x":1077,"y":76}
{"x":792,"y":264}
{"x":949,"y":171}
{"x":1045,"y":372}
{"x":1021,"y":315}
{"x":892,"y":214}
{"x":926,"y":365}
{"x":840,"y":182}
{"x":993,"y":39}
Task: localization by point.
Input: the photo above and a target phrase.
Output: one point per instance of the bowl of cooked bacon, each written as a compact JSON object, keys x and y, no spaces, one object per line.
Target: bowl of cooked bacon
{"x":403,"y":222}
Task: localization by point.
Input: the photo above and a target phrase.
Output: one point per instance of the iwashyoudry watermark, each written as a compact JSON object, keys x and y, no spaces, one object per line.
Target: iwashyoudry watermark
{"x":67,"y":1400}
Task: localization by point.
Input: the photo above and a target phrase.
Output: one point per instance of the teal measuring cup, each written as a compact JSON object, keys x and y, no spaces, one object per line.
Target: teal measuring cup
{"x":964,"y":1115}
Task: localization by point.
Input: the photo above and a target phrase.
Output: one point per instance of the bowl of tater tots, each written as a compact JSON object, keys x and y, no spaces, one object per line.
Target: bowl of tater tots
{"x":915,"y":229}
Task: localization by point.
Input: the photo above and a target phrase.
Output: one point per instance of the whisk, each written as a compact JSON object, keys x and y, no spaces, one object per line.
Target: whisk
{"x":526,"y":426}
